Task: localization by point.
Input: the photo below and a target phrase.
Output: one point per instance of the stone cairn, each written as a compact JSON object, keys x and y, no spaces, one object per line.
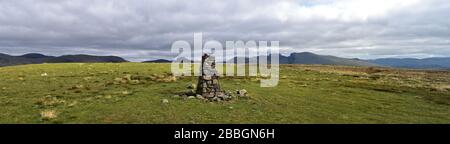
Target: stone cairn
{"x":208,"y":85}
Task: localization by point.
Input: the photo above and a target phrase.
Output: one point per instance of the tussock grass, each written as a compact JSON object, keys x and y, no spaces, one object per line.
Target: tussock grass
{"x":144,"y":93}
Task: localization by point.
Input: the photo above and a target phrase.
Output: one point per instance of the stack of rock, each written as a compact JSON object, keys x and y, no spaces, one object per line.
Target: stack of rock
{"x":208,"y":85}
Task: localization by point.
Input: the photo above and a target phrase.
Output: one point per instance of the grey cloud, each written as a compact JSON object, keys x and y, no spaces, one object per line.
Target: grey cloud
{"x":144,"y":29}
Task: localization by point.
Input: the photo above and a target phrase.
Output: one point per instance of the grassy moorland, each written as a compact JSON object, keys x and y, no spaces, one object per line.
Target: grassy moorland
{"x":133,"y":93}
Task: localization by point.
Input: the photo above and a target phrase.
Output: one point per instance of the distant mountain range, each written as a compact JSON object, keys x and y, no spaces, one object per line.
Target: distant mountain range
{"x":311,"y":58}
{"x":427,"y":63}
{"x":293,"y":58}
{"x":34,"y":58}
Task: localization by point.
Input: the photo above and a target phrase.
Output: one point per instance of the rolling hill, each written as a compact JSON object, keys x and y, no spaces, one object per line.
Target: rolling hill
{"x":34,"y":58}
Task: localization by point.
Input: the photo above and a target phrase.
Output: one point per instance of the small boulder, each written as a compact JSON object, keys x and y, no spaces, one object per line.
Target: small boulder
{"x":128,"y":77}
{"x":242,"y":92}
{"x":200,"y":97}
{"x":191,"y":97}
{"x":79,"y":86}
{"x":165,"y":101}
{"x":48,"y":115}
{"x":192,"y":86}
{"x":72,"y":104}
{"x":118,"y":79}
{"x":126,"y":92}
{"x":87,"y":78}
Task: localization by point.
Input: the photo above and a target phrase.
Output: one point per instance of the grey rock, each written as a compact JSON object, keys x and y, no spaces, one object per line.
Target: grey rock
{"x":242,"y":93}
{"x":192,"y":86}
{"x":200,"y":97}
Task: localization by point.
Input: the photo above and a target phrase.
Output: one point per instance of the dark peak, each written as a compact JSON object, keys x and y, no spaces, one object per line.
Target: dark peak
{"x":158,"y":61}
{"x":88,"y":58}
{"x":303,"y":54}
{"x":79,"y":55}
{"x":2,"y":54}
{"x":34,"y":55}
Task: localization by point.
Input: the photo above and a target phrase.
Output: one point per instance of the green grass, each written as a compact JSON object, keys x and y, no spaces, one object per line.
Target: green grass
{"x":93,"y":93}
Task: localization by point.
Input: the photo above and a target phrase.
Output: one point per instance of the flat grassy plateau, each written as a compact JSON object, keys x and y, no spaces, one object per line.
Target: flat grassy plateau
{"x":134,"y":93}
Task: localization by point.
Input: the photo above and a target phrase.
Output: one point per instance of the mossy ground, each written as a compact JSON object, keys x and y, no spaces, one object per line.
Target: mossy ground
{"x":133,"y":93}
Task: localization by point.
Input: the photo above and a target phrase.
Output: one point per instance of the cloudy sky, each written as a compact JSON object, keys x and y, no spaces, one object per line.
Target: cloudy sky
{"x":145,"y":29}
